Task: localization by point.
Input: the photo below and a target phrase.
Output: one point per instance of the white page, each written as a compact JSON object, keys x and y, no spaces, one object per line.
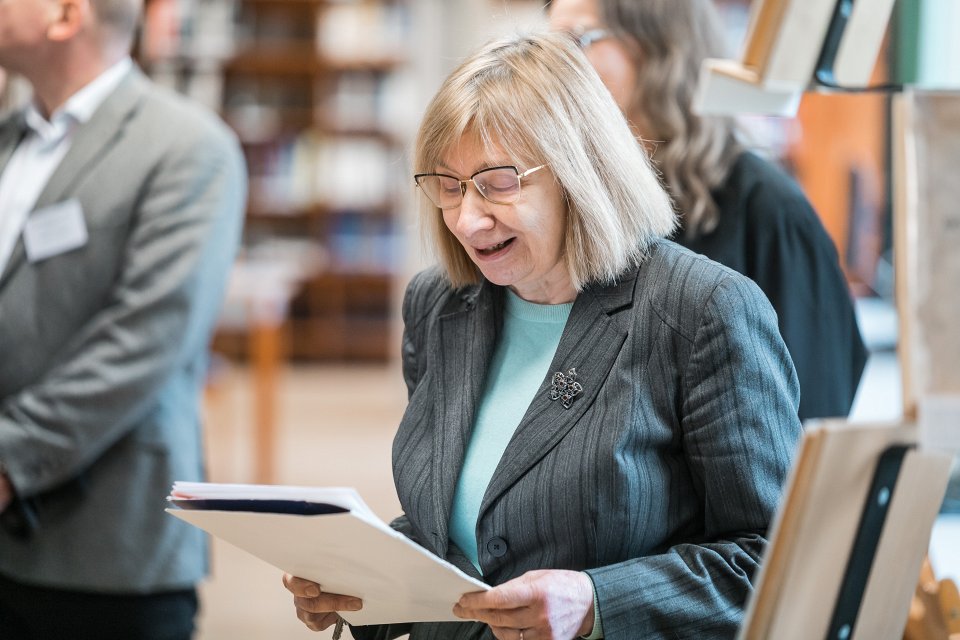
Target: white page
{"x":350,"y":553}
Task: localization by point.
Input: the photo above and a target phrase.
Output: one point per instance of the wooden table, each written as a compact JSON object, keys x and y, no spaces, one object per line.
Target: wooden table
{"x":258,"y":302}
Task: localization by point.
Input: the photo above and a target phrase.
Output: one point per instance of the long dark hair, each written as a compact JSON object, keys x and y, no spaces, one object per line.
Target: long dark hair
{"x":695,"y":154}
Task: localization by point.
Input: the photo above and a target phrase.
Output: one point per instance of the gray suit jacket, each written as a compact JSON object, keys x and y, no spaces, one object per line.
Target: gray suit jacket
{"x":660,"y":480}
{"x":104,"y":347}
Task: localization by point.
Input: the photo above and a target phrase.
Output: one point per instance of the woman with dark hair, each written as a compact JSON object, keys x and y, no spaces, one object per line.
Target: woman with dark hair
{"x":735,"y":207}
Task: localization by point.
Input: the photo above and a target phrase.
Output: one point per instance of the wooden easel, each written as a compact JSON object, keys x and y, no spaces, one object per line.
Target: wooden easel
{"x":855,"y":519}
{"x":926,"y":128}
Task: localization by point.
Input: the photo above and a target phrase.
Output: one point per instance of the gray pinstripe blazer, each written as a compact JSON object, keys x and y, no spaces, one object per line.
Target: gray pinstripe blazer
{"x":660,"y":480}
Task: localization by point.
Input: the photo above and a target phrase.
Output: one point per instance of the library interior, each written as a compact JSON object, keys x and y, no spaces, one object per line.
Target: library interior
{"x":311,"y":374}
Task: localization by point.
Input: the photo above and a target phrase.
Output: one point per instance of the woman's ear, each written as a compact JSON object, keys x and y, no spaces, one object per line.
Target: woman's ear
{"x":68,"y":17}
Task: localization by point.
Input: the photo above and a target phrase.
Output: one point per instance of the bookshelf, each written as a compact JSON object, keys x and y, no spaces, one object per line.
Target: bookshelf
{"x":310,"y":87}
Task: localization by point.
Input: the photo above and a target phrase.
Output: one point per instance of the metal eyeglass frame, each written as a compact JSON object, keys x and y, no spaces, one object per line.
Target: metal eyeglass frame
{"x":586,"y":39}
{"x":472,"y":179}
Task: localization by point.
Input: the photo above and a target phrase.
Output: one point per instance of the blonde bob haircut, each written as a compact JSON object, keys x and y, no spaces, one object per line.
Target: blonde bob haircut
{"x":537,"y":97}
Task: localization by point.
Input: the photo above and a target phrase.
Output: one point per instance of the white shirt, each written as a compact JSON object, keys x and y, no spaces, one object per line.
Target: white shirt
{"x":42,"y":149}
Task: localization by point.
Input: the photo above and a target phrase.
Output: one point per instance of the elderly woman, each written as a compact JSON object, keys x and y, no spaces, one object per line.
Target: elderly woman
{"x":736,"y":208}
{"x":599,"y":421}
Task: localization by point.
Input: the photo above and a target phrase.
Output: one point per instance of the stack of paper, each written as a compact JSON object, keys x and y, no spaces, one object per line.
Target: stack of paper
{"x":330,"y":536}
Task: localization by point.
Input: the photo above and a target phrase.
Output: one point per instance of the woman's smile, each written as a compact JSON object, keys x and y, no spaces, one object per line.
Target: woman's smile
{"x":494,"y":251}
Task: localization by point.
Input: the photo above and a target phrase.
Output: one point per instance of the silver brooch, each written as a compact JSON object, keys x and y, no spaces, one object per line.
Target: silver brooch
{"x":565,"y":387}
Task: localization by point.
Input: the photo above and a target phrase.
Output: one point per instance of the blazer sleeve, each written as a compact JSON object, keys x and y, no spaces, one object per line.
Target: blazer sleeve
{"x":157,"y":317}
{"x":739,"y":431}
{"x":409,"y":349}
{"x":424,"y":295}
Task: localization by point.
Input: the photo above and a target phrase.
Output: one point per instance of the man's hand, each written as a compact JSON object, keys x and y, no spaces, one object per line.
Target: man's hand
{"x":539,"y":605}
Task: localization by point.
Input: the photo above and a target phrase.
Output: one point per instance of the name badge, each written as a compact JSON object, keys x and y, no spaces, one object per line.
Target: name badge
{"x":54,"y":230}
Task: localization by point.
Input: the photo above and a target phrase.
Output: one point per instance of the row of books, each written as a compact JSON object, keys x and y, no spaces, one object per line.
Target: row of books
{"x":216,"y":28}
{"x":191,"y":29}
{"x":354,"y":242}
{"x":316,"y":170}
{"x":356,"y":30}
{"x":263,"y":107}
{"x":347,"y":31}
{"x":360,"y":244}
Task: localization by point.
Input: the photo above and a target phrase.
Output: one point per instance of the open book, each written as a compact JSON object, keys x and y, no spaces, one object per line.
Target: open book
{"x":329,"y":535}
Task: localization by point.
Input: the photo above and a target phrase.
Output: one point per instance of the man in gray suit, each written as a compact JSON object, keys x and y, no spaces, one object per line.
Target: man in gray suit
{"x":120,"y":213}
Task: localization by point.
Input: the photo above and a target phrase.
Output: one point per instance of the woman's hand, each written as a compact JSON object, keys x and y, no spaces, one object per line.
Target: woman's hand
{"x":316,"y":609}
{"x":539,"y":605}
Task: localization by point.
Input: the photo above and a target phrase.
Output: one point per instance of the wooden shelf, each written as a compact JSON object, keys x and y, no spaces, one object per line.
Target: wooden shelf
{"x":294,"y":3}
{"x":261,"y":212}
{"x":302,"y":59}
{"x":341,"y":338}
{"x":326,"y":127}
{"x":287,"y":59}
{"x":349,"y":317}
{"x":289,"y":121}
{"x":298,"y":112}
{"x":375,"y":65}
{"x":293,"y":121}
{"x":338,"y":316}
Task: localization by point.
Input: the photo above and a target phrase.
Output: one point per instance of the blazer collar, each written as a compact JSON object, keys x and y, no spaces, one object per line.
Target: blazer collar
{"x":468,"y":331}
{"x":93,"y":140}
{"x":104,"y":129}
{"x":12,"y":133}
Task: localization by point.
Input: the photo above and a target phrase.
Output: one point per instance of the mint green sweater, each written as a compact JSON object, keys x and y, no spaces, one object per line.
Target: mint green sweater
{"x":531,"y":333}
{"x":521,"y":361}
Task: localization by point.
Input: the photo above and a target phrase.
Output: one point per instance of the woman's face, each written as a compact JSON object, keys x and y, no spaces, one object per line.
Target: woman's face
{"x":609,"y":56}
{"x":519,"y":245}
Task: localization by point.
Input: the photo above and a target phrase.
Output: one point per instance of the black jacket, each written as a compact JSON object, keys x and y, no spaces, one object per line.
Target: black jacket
{"x":769,"y":232}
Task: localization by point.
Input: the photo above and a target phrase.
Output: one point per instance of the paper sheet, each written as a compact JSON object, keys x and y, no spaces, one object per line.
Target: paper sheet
{"x":351,"y":553}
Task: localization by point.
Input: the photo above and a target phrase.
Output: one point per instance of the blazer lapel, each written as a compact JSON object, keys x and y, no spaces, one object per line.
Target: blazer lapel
{"x":467,"y":339}
{"x":92,"y":141}
{"x":590,"y":344}
{"x":12,"y":134}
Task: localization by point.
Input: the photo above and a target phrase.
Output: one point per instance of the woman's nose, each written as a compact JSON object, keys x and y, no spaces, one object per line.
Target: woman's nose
{"x":475,"y":213}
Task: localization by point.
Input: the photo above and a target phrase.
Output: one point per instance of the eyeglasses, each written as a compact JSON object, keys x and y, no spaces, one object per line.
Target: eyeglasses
{"x":499,"y":185}
{"x":585,"y":39}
